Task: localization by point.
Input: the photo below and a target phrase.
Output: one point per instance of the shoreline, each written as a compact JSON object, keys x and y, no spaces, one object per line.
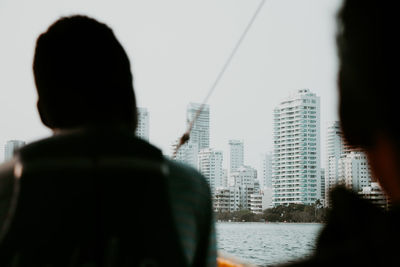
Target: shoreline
{"x":272,"y":222}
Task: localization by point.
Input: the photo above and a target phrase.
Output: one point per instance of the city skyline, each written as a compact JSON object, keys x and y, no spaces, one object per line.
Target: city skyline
{"x":287,"y":175}
{"x":174,"y":63}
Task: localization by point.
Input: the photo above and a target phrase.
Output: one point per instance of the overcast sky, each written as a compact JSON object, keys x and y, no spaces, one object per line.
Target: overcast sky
{"x":176,"y":49}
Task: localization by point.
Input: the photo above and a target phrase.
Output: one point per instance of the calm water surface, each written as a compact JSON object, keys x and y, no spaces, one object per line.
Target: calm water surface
{"x":267,"y":243}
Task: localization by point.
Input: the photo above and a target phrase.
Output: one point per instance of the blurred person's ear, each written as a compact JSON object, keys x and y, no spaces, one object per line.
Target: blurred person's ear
{"x":384,"y":158}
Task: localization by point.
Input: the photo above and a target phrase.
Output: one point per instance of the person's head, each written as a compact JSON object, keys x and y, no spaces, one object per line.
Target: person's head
{"x":83,"y":76}
{"x":369,"y":106}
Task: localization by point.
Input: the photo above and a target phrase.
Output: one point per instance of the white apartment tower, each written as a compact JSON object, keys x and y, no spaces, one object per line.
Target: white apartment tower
{"x":296,"y":156}
{"x":354,"y":171}
{"x":323,"y":186}
{"x":187,"y":153}
{"x":236,"y":155}
{"x":334,"y":150}
{"x":142,"y":129}
{"x":11,"y":147}
{"x":224,"y":178}
{"x":201,"y":128}
{"x":210,"y":165}
{"x":267,"y":170}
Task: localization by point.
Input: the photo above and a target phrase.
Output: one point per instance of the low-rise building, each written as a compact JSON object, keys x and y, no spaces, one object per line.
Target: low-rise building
{"x":222,"y":199}
{"x":256,"y":203}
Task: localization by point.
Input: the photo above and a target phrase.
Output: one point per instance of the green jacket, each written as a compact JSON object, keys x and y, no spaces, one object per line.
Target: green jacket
{"x":187,"y":191}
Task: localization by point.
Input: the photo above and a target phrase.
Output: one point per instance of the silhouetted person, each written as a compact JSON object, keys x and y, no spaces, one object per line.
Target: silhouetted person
{"x":358,"y":233}
{"x":94,"y":194}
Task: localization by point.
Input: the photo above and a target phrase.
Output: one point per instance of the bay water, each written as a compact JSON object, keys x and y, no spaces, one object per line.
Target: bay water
{"x":267,"y":243}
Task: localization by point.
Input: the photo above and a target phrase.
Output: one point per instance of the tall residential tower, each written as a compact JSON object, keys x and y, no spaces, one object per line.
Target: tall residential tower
{"x":10,"y":148}
{"x":267,"y":170}
{"x":210,"y":165}
{"x":142,"y":129}
{"x":296,"y":158}
{"x":200,"y":133}
{"x":236,"y":155}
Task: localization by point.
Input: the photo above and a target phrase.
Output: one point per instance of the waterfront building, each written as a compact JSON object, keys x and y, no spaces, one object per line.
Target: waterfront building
{"x":338,"y":159}
{"x":142,"y":129}
{"x":335,"y":149}
{"x":256,"y":204}
{"x":266,"y":179}
{"x":200,"y":132}
{"x":236,"y":198}
{"x":236,"y":158}
{"x":199,"y":136}
{"x":354,"y":171}
{"x":221,"y":201}
{"x":11,"y":147}
{"x":245,"y":176}
{"x":239,"y":195}
{"x":210,"y":165}
{"x":246,"y":183}
{"x":228,"y":199}
{"x":323,"y":186}
{"x":296,"y":156}
{"x":224,"y":178}
{"x":187,"y":153}
{"x":267,"y":193}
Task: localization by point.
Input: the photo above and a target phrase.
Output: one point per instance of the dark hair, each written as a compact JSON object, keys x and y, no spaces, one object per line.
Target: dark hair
{"x":83,"y":75}
{"x":367,"y":49}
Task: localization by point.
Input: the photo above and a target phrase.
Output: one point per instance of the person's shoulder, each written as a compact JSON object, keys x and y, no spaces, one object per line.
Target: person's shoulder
{"x":348,"y":207}
{"x":89,"y":142}
{"x":7,"y":181}
{"x":50,"y":146}
{"x":7,"y":170}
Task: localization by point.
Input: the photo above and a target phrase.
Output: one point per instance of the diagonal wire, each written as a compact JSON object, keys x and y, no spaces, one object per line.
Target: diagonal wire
{"x":185,"y":137}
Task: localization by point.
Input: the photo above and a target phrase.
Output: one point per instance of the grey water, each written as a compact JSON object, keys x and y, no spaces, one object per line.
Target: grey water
{"x":267,"y":243}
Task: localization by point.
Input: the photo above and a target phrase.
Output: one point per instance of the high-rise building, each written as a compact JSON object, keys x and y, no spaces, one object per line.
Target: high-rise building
{"x":354,"y":171}
{"x":337,"y":152}
{"x":210,"y":165}
{"x":225,"y":178}
{"x":334,"y":150}
{"x":201,"y":128}
{"x":236,"y":155}
{"x":296,"y":157}
{"x":11,"y":147}
{"x":142,"y":129}
{"x":187,"y":153}
{"x":323,"y":186}
{"x":245,"y":176}
{"x":246,"y":183}
{"x":266,"y":179}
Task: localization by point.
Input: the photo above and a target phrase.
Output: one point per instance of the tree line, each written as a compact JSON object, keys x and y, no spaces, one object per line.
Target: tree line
{"x":289,"y":213}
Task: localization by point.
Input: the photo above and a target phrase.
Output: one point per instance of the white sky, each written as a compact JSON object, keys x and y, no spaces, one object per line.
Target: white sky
{"x":176,"y":49}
